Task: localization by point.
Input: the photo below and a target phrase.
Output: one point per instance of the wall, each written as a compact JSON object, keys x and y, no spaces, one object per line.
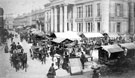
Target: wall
{"x":113,"y":19}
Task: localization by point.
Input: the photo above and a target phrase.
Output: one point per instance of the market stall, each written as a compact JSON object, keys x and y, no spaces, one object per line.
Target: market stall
{"x":110,"y":54}
{"x":93,"y":35}
{"x":129,"y":49}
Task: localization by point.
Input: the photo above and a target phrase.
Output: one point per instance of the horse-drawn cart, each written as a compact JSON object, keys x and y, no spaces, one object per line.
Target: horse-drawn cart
{"x":111,"y":57}
{"x":19,"y":60}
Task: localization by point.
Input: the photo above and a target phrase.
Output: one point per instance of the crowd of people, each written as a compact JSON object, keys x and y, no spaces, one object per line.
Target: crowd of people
{"x":43,"y":47}
{"x":18,"y":58}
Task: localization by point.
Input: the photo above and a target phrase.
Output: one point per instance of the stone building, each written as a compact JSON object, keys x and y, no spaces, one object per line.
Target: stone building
{"x":9,"y":23}
{"x":110,"y":16}
{"x":90,"y":16}
{"x":22,"y":20}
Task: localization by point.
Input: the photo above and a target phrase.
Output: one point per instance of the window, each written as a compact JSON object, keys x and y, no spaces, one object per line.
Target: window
{"x":80,"y":27}
{"x":89,"y":27}
{"x":67,"y":26}
{"x":98,"y":9}
{"x":88,"y":10}
{"x":119,"y":10}
{"x":86,"y":27}
{"x":118,"y":27}
{"x":71,"y":26}
{"x":98,"y":26}
{"x":79,"y":12}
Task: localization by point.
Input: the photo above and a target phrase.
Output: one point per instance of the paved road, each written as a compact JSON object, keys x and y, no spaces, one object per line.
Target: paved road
{"x":35,"y":68}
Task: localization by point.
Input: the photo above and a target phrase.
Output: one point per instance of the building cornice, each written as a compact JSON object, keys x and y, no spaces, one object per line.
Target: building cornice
{"x":84,"y":1}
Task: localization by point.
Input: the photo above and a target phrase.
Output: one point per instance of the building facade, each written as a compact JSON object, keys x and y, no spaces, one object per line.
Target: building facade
{"x":38,"y":18}
{"x":9,"y":23}
{"x":22,"y":20}
{"x":112,"y":16}
{"x":132,"y":17}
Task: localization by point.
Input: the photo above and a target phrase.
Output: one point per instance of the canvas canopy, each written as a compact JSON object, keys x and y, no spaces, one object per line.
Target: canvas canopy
{"x":37,"y":32}
{"x":69,"y":34}
{"x":128,"y":45}
{"x":60,"y":40}
{"x":112,"y":48}
{"x":113,"y":35}
{"x":72,"y":35}
{"x":93,"y":35}
{"x":60,"y":35}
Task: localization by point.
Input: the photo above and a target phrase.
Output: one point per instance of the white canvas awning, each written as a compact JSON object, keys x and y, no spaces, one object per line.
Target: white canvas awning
{"x":59,"y":40}
{"x":93,"y":35}
{"x":72,"y":35}
{"x":112,"y":48}
{"x":60,"y":35}
{"x":69,"y":34}
{"x":113,"y":35}
{"x":128,"y":45}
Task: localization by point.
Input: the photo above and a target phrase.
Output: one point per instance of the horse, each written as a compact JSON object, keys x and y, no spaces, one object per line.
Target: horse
{"x":24,"y":61}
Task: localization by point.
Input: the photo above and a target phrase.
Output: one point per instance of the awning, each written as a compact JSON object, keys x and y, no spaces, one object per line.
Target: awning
{"x":60,"y":40}
{"x":52,"y":35}
{"x":112,"y":48}
{"x":128,"y":45}
{"x":113,"y":35}
{"x":40,"y":33}
{"x":72,"y":35}
{"x":93,"y":35}
{"x":60,"y":35}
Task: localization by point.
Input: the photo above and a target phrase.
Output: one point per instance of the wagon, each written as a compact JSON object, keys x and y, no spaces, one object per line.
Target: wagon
{"x":110,"y":54}
{"x":129,"y":49}
{"x":34,"y":51}
{"x":129,"y":52}
{"x":111,"y":58}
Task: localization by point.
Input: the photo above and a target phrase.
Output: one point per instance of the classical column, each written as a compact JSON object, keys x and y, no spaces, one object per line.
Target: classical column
{"x":55,"y":16}
{"x":44,"y":22}
{"x":65,"y":18}
{"x":52,"y":22}
{"x":61,"y":18}
{"x":74,"y":18}
{"x":84,"y":16}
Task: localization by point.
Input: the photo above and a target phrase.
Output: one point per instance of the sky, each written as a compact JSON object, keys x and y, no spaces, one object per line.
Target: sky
{"x":15,"y":7}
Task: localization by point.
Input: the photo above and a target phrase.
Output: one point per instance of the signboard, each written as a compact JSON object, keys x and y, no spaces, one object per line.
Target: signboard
{"x":75,"y":65}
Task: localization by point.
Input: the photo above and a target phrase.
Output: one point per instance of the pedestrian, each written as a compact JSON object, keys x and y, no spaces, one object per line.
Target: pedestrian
{"x":58,"y":62}
{"x":12,"y":39}
{"x":52,"y":72}
{"x":13,"y":47}
{"x":6,"y":48}
{"x":96,"y":73}
{"x":19,"y":48}
{"x":83,"y":59}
